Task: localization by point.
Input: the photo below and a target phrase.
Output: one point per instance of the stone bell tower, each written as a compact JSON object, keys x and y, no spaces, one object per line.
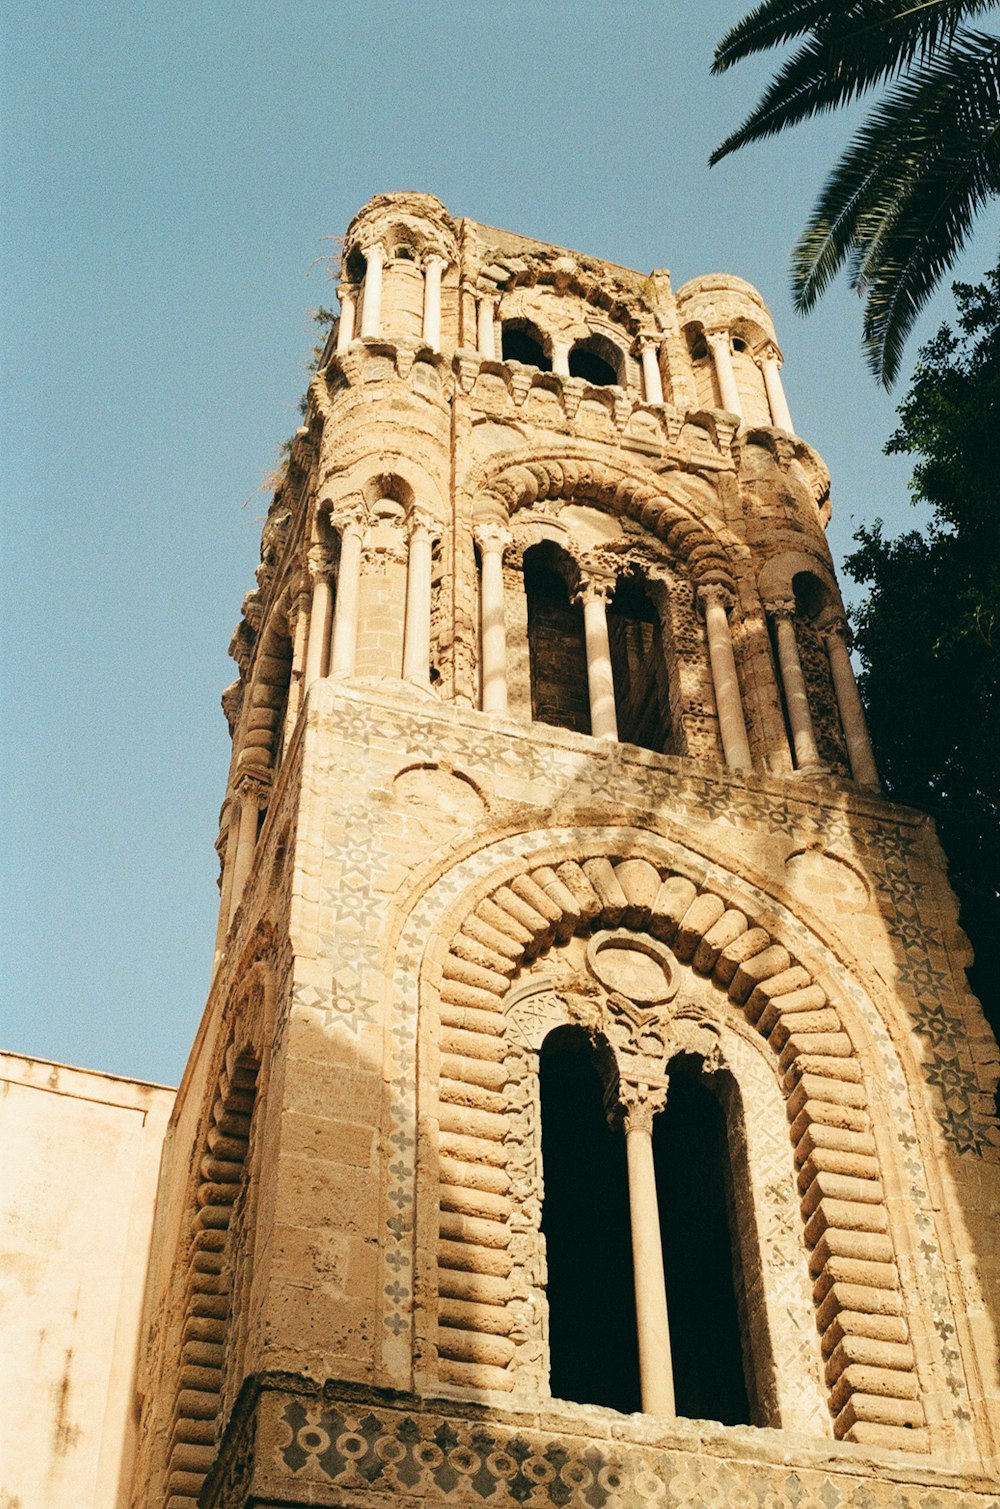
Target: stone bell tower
{"x":589,"y":1109}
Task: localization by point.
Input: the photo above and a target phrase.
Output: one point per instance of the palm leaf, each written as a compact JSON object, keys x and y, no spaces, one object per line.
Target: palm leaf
{"x":900,"y":203}
{"x":776,"y":22}
{"x":851,"y":49}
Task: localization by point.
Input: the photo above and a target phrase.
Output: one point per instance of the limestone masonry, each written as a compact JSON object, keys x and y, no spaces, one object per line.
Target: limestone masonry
{"x":589,"y":1110}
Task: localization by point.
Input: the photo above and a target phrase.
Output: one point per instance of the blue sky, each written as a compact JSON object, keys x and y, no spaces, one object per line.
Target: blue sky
{"x":171,"y":175}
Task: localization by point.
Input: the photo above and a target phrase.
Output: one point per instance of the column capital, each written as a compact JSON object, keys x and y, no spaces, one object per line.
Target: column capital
{"x":594,"y":584}
{"x":711,"y":594}
{"x":780,"y":607}
{"x":374,"y":252}
{"x":767,"y":353}
{"x":833,"y":624}
{"x":252,"y":786}
{"x":430,"y":257}
{"x":636,"y":1106}
{"x":422,"y":525}
{"x":648,"y":340}
{"x":320,"y":561}
{"x":491,"y":538}
{"x":350,"y":521}
{"x":719,"y":337}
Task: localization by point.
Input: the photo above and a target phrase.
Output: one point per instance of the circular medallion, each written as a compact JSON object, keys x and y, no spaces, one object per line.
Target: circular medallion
{"x":636,"y":967}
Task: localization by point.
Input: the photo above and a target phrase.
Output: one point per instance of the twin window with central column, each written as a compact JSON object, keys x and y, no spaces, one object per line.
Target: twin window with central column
{"x":593,"y":1343}
{"x":557,"y":653}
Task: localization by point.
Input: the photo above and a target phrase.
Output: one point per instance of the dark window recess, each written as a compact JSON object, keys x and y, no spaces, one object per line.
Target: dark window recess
{"x":642,"y":695}
{"x":587,"y":363}
{"x":694,"y":1192}
{"x":593,"y":1349}
{"x":556,"y":647}
{"x":520,"y":343}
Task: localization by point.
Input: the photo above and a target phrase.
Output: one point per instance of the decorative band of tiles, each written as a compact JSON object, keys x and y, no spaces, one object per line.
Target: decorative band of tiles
{"x":478,"y":1462}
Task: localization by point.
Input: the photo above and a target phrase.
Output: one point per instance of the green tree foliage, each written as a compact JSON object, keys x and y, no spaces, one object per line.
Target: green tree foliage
{"x":928,"y":629}
{"x":900,"y":204}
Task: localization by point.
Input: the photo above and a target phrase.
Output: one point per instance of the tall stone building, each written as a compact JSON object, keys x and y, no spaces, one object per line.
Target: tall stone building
{"x":589,"y":1110}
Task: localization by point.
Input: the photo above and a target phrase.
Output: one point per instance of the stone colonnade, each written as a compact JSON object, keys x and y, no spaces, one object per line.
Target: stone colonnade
{"x":835,"y":633}
{"x":716,"y":605}
{"x":331,"y":648}
{"x":434,"y":266}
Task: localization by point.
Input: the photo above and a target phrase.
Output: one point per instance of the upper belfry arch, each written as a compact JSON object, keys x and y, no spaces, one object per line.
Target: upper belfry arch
{"x":562,"y":916}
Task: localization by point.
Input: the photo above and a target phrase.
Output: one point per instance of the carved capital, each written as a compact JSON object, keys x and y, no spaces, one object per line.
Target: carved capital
{"x":833,"y":624}
{"x":320,"y":562}
{"x":491,"y":538}
{"x":594,"y":584}
{"x":779,"y":607}
{"x":719,"y":338}
{"x":435,"y":256}
{"x":253,"y":788}
{"x":768,"y":353}
{"x":637,"y":1106}
{"x":422,"y":526}
{"x":350,"y":520}
{"x":714,"y":594}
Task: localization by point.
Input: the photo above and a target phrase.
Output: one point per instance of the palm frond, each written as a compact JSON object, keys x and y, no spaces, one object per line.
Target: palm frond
{"x":900,"y":203}
{"x":772,"y":23}
{"x":927,"y":23}
{"x":852,"y":48}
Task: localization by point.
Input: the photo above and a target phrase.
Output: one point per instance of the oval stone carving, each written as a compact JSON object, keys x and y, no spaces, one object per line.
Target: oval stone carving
{"x":633,"y":965}
{"x":823,"y":876}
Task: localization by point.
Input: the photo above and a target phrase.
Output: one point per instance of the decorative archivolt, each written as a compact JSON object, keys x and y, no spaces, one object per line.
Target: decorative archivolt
{"x":666,"y":507}
{"x":488,"y":1255}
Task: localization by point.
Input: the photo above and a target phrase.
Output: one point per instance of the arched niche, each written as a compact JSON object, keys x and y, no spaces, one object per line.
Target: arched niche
{"x":768,"y":1002}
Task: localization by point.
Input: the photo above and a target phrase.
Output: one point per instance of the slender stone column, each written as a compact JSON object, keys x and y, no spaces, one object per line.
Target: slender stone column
{"x":770,"y":365}
{"x":226,"y":890}
{"x":722,"y":356}
{"x":594,"y":592}
{"x":716,"y":604}
{"x":433,"y":269}
{"x":655,"y":1370}
{"x":371,"y":306}
{"x":492,"y":540}
{"x":652,"y":383}
{"x":836,"y":634}
{"x":345,"y":616}
{"x":417,"y":629}
{"x":319,"y":616}
{"x":560,"y":358}
{"x":251,"y":795}
{"x":804,"y":745}
{"x":345,"y":330}
{"x":485,"y":327}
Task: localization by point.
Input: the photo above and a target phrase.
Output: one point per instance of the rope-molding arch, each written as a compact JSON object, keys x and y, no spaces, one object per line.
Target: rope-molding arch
{"x":861,"y":1312}
{"x":222,"y":1173}
{"x":663,"y":507}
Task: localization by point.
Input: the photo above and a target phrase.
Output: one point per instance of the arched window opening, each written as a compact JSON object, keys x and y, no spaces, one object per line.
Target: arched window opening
{"x":810,"y":596}
{"x":556,"y":644}
{"x":642,"y":694}
{"x":597,"y":361}
{"x":593,"y":1349}
{"x":701,"y":1258}
{"x":522,"y":342}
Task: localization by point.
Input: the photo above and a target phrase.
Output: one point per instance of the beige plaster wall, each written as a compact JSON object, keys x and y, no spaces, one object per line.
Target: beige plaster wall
{"x":79,"y":1153}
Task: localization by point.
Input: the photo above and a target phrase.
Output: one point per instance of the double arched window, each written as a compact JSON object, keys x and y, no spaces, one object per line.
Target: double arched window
{"x":560,"y":656}
{"x":589,"y":1254}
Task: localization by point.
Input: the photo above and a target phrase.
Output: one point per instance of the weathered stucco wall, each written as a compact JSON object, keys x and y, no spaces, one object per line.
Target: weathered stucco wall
{"x":78,"y":1168}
